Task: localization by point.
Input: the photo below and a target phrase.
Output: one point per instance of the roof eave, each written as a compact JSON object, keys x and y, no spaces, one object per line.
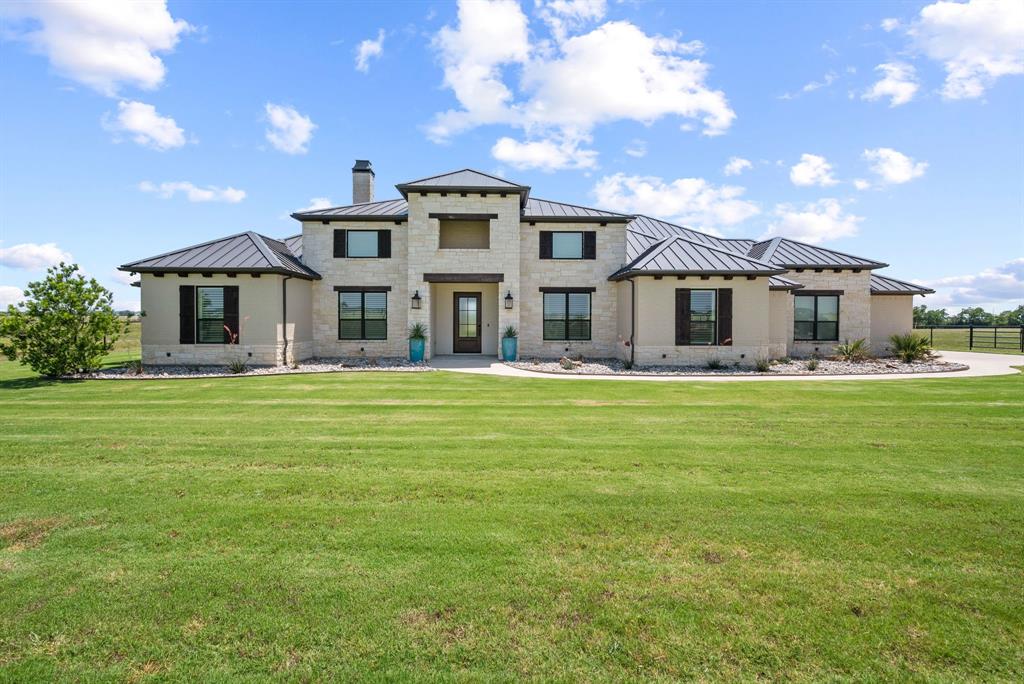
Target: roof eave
{"x":351,"y":217}
{"x":862,"y":267}
{"x":622,"y":275}
{"x":522,"y":190}
{"x":576,"y":219}
{"x":131,"y":268}
{"x":905,"y":293}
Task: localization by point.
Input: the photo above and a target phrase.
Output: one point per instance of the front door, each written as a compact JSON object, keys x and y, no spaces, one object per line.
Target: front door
{"x":466,"y":338}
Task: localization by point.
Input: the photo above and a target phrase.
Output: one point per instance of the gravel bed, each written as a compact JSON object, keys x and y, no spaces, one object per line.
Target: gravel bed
{"x":793,"y":367}
{"x":348,"y":365}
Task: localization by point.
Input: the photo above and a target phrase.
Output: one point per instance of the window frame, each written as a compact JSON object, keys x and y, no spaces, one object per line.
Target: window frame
{"x":566,"y":292}
{"x":714,"y":318}
{"x":223,"y":317}
{"x":376,"y":238}
{"x":815,"y":320}
{"x":362,"y":314}
{"x":555,"y":233}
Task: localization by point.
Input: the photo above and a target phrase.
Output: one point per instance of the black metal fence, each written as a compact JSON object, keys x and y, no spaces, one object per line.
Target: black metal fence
{"x":999,"y":337}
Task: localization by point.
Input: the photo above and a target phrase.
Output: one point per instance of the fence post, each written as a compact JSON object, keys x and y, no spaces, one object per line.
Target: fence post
{"x":931,"y":337}
{"x":1022,"y":339}
{"x":970,"y":339}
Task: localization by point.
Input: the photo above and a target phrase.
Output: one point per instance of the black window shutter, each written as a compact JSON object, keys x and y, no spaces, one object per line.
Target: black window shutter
{"x":725,"y":316}
{"x":231,"y":314}
{"x":545,"y":244}
{"x":384,"y":244}
{"x":682,"y":316}
{"x":590,"y":245}
{"x":186,"y":314}
{"x":339,"y":244}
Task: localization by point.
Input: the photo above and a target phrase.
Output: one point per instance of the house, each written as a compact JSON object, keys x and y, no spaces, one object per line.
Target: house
{"x":468,"y":254}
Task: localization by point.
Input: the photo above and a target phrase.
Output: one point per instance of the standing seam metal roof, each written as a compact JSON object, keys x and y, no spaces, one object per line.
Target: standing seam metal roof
{"x":884,"y":285}
{"x":682,"y":256}
{"x":463,"y":178}
{"x":247,"y":252}
{"x":793,"y":254}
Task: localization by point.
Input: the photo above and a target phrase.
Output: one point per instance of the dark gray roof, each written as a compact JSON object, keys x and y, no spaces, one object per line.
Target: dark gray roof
{"x":396,"y":209}
{"x":883,"y":285}
{"x":779,"y":283}
{"x":680,"y":256}
{"x":662,"y":229}
{"x":294,"y":243}
{"x":247,"y":252}
{"x":541,"y":210}
{"x":793,"y":254}
{"x":465,"y":180}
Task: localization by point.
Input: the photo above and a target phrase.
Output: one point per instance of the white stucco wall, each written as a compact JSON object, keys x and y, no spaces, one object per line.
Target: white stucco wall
{"x":259,"y":316}
{"x":656,"y":321}
{"x":780,"y":306}
{"x":890,"y":315}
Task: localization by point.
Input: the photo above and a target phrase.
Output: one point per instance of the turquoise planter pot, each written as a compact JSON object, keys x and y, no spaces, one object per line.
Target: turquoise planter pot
{"x":416,"y":348}
{"x":509,"y":347}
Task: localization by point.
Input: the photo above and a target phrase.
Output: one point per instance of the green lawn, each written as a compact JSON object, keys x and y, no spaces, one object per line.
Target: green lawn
{"x":444,"y":526}
{"x":958,"y":339}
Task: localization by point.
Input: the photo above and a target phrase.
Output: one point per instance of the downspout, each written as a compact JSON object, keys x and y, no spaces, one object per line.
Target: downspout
{"x":284,"y":319}
{"x":632,"y":322}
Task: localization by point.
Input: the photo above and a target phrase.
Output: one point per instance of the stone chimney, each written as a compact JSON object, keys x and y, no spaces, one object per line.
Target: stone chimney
{"x":362,"y":182}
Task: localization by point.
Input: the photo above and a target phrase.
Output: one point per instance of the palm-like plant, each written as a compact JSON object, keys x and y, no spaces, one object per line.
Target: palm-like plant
{"x":417,"y":331}
{"x":911,"y":347}
{"x":853,"y":351}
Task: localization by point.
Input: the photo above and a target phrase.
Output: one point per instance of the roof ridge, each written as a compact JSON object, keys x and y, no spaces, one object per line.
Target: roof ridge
{"x":582,"y":206}
{"x":451,"y":173}
{"x":829,"y":249}
{"x":260,"y":242}
{"x":769,"y":252}
{"x":759,"y":262}
{"x":195,"y":246}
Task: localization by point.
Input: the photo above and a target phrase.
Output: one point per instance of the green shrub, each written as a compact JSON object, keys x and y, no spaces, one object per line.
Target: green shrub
{"x":762,"y":364}
{"x":812,"y":364}
{"x":714,"y":363}
{"x":853,"y":351}
{"x":510,"y":332}
{"x":238,"y":366}
{"x":910,"y":347}
{"x":134,"y":367}
{"x":65,"y":324}
{"x":417,"y":331}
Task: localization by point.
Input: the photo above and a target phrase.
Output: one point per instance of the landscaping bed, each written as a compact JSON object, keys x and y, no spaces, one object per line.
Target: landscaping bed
{"x":132,"y":371}
{"x":786,"y":367}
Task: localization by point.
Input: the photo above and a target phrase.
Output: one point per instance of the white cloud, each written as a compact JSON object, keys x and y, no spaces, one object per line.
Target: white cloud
{"x":890,"y":24}
{"x":1002,"y":285}
{"x":32,"y":256}
{"x":898,"y":83}
{"x":812,"y":169}
{"x":736,"y":165}
{"x":827,"y":80}
{"x":9,"y":295}
{"x":813,"y":222}
{"x":194,"y":193}
{"x":103,"y":45}
{"x":145,"y":126}
{"x":317,"y":203}
{"x":691,"y":201}
{"x":122,"y":277}
{"x":546,"y":155}
{"x":636,"y":148}
{"x":977,"y":42}
{"x":894,"y":167}
{"x":861,"y":184}
{"x":561,"y":16}
{"x":289,"y":132}
{"x":367,"y":50}
{"x":567,"y":88}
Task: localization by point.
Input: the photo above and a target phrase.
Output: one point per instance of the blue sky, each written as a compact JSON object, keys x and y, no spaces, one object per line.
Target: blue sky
{"x":889,"y":130}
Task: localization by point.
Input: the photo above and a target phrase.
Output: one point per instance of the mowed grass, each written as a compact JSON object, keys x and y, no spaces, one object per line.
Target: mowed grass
{"x":442,"y":526}
{"x":958,"y":339}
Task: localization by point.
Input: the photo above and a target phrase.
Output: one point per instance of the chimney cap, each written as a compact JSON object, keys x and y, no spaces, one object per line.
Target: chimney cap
{"x":363,"y":166}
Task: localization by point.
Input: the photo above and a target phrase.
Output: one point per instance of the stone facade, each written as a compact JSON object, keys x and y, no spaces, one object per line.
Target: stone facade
{"x":854,"y":307}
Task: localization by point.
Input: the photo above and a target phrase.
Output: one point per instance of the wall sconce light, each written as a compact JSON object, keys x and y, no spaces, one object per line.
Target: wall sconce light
{"x":508,"y":300}
{"x":416,"y":300}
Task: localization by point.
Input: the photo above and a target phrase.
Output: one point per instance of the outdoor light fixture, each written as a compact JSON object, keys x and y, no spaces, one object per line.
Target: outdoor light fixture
{"x":416,"y":300}
{"x":508,"y":300}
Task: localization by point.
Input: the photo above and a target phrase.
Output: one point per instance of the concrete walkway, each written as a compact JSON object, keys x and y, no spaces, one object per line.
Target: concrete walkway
{"x":980,"y":365}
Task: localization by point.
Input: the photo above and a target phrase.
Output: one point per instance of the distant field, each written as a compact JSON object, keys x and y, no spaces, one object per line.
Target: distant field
{"x":956,"y":339}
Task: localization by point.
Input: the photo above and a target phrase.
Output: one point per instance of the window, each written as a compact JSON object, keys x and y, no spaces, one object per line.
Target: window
{"x":464,"y":234}
{"x":567,"y":315}
{"x":210,"y":315}
{"x":702,"y":317}
{"x":362,"y":315}
{"x":362,"y":244}
{"x":816,"y":318}
{"x":568,"y":244}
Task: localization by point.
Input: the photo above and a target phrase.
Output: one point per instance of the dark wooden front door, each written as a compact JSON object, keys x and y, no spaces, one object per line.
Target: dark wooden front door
{"x":466,"y":337}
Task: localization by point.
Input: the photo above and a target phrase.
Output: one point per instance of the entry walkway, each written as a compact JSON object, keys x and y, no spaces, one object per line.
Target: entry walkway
{"x":980,"y":365}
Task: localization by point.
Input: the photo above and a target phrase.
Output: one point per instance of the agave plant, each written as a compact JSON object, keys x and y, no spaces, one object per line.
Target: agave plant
{"x":853,"y":351}
{"x":417,"y":331}
{"x":910,"y":347}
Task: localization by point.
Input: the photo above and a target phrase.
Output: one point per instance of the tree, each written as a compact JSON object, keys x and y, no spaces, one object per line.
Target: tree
{"x":1012,"y":317}
{"x":927,"y":318}
{"x":972,"y":316}
{"x":64,"y":325}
